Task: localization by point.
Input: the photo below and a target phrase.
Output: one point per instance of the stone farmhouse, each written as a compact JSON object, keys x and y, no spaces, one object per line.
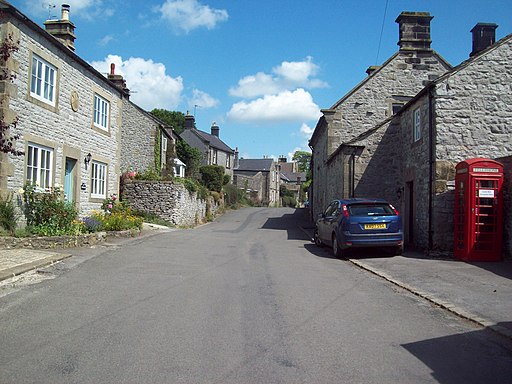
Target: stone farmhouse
{"x":408,"y":155}
{"x":78,"y":128}
{"x":260,"y":179}
{"x":214,"y":150}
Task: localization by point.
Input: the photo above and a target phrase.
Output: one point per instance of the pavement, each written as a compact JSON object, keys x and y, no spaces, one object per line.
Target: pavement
{"x":480,"y":292}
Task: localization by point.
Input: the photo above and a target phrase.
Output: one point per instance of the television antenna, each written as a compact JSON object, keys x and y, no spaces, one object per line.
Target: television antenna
{"x":50,"y":6}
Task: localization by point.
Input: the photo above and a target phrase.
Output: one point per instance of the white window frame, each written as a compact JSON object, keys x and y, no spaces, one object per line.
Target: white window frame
{"x":416,"y":130}
{"x":39,"y":165}
{"x":214,"y":156}
{"x":43,"y":80}
{"x":228,"y":161}
{"x":101,"y":112}
{"x":98,"y":180}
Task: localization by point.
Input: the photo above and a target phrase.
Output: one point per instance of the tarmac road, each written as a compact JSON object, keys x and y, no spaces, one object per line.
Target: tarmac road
{"x":245,"y":299}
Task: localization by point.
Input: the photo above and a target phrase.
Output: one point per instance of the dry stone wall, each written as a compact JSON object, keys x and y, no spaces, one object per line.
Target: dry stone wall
{"x":169,"y":201}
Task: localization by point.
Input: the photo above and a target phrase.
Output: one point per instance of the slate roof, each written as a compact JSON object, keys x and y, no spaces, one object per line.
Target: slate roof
{"x":212,"y":140}
{"x":291,"y":177}
{"x":263,"y":165}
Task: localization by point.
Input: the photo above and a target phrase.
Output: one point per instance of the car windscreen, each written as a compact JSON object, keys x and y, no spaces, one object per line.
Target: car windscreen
{"x":373,"y":209}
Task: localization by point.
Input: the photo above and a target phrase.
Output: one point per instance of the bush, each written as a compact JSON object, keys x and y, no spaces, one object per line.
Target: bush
{"x":289,"y":201}
{"x":8,"y":215}
{"x":47,"y":213}
{"x":212,"y":177}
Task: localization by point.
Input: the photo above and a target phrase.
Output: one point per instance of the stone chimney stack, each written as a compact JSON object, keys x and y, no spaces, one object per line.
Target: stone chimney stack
{"x":118,"y":80}
{"x":63,"y":29}
{"x":282,"y":159}
{"x":190,"y":121}
{"x":215,"y":129}
{"x":414,"y":31}
{"x":484,"y":35}
{"x":237,"y":162}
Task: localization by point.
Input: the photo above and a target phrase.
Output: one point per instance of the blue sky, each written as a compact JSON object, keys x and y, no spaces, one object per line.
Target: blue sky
{"x":261,"y":70}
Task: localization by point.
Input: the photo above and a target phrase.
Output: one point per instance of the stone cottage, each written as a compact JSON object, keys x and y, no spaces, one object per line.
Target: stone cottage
{"x":68,"y":114}
{"x":260,"y":179}
{"x":214,"y":150}
{"x":342,"y":150}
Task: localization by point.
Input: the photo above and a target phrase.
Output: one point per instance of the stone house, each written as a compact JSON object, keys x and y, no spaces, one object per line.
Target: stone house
{"x":78,"y":128}
{"x":67,"y":113}
{"x":214,"y":150}
{"x":260,"y":179}
{"x":341,"y":134}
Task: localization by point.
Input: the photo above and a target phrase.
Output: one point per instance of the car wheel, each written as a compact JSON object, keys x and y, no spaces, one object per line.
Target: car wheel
{"x":316,"y":239}
{"x":336,"y":249}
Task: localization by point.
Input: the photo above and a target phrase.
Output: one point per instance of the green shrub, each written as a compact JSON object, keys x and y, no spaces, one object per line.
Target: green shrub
{"x":148,"y":174}
{"x":212,"y":177}
{"x":8,"y":215}
{"x":289,"y":201}
{"x":47,"y":213}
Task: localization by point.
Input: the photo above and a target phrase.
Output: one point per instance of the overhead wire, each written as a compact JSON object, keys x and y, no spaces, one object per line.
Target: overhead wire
{"x":381,"y":33}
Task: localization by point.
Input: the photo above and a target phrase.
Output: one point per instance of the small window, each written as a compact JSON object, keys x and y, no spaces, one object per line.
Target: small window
{"x":416,"y":125}
{"x":228,"y":161}
{"x":98,"y":180}
{"x":39,"y":165}
{"x":164,"y":144}
{"x":101,"y":112}
{"x":42,"y":80}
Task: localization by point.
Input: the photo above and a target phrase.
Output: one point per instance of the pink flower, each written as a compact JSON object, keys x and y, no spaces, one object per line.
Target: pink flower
{"x":110,"y":206}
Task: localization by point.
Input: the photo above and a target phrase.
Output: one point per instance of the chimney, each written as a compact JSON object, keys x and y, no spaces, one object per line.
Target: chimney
{"x":118,"y":80}
{"x":237,"y":162}
{"x":215,"y":129}
{"x":190,"y":121}
{"x":63,"y":29}
{"x":484,"y":35}
{"x":414,"y":31}
{"x":281,"y":159}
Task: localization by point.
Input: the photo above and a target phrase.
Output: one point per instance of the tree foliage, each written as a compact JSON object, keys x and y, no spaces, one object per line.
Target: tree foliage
{"x":174,"y":119}
{"x":303,"y":159}
{"x":192,"y":157}
{"x":212,"y":177}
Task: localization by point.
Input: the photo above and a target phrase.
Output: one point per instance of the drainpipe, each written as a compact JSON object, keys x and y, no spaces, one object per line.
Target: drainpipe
{"x":431,"y":154}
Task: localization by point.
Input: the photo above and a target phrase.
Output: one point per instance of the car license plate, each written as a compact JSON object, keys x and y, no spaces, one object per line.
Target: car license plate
{"x":375,"y":226}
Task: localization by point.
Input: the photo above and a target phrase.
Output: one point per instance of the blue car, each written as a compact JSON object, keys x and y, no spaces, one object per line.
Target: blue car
{"x":352,"y":223}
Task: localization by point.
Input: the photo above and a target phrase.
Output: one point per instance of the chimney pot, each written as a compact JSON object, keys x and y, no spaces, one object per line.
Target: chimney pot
{"x":65,"y":12}
{"x":484,"y":35}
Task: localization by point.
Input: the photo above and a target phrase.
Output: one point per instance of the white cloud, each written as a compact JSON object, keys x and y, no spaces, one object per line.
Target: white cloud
{"x":288,"y":106}
{"x":306,"y":131}
{"x":151,"y":87}
{"x":187,"y":15}
{"x":288,"y":75}
{"x":105,"y":40}
{"x":202,"y":100}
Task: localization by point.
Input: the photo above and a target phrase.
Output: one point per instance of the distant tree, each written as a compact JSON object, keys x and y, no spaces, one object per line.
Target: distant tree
{"x":303,"y":159}
{"x":173,"y":118}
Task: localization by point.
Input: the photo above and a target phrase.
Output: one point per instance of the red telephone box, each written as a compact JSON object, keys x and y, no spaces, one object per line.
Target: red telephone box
{"x":478,"y":216}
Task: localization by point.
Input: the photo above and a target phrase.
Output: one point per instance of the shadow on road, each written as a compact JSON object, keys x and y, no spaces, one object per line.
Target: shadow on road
{"x":459,"y":358}
{"x":290,"y":222}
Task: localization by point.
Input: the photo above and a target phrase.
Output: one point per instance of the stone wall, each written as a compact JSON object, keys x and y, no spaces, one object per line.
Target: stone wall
{"x":137,"y":140}
{"x":169,"y":201}
{"x":507,"y":203}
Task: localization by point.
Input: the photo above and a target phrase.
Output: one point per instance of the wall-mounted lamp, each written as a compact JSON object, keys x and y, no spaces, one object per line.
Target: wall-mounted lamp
{"x":87,"y":160}
{"x":399,"y":192}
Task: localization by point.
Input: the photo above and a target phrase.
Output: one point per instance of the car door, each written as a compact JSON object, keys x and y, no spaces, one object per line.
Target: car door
{"x":325,"y":222}
{"x":332,"y":221}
